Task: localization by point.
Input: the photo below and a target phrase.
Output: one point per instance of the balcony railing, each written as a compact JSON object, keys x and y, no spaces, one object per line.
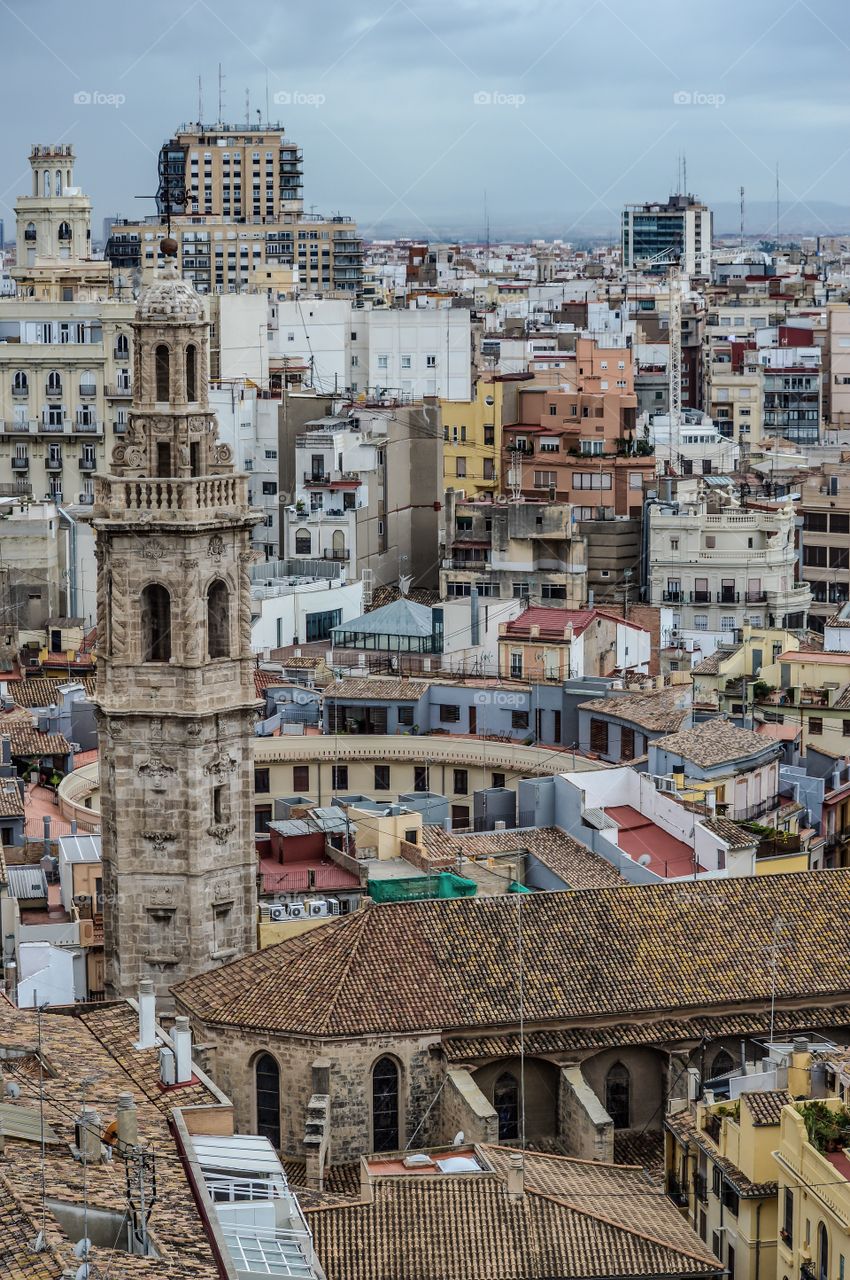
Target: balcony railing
{"x":53,"y":393}
{"x":807,"y":1271}
{"x":712,"y":1125}
{"x":728,"y":597}
{"x":88,"y":389}
{"x":20,"y":393}
{"x":755,"y":596}
{"x":700,"y":597}
{"x":20,"y":464}
{"x":169,"y":499}
{"x":16,"y":427}
{"x":53,"y":428}
{"x":335,"y":554}
{"x":53,"y":463}
{"x":88,"y":428}
{"x":88,"y":464}
{"x":673,"y":597}
{"x":677,"y":1191}
{"x":115,"y":392}
{"x":752,"y":811}
{"x":701,"y":1188}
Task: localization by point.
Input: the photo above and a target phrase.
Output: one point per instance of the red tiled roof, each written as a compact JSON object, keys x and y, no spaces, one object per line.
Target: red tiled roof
{"x":553,"y":621}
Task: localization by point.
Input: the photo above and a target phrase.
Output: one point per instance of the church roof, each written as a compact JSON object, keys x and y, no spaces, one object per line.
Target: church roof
{"x":576,"y":1218}
{"x":168,"y":297}
{"x":588,"y":954}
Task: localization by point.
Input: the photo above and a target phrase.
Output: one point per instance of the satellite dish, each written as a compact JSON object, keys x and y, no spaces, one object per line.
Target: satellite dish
{"x":82,"y":1248}
{"x":459,"y":1139}
{"x":13,"y":1090}
{"x":644,"y":859}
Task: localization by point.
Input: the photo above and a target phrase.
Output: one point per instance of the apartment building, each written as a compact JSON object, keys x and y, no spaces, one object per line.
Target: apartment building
{"x":65,"y":345}
{"x":408,"y":353}
{"x":825,"y":509}
{"x":735,"y":391}
{"x":235,"y":194}
{"x":720,"y":566}
{"x":367,"y":495}
{"x":813,"y":1194}
{"x":577,"y":442}
{"x":679,"y":231}
{"x":513,"y":550}
{"x":472,"y":433}
{"x":792,"y":393}
{"x":836,"y":362}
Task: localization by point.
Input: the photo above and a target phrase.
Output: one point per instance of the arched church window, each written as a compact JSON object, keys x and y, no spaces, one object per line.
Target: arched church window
{"x":59,"y":185}
{"x":162,"y":372}
{"x":823,"y":1252}
{"x":156,"y":623}
{"x":191,"y":372}
{"x":618,"y":1095}
{"x":30,"y":232}
{"x":385,"y":1105}
{"x":267,"y":1080}
{"x":64,"y":231}
{"x":122,"y":346}
{"x":303,"y":542}
{"x":218,"y":620}
{"x":46,"y":182}
{"x":506,"y":1103}
{"x":722,"y":1065}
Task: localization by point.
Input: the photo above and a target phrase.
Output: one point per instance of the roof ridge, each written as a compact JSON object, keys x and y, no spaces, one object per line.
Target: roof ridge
{"x":557,"y":1155}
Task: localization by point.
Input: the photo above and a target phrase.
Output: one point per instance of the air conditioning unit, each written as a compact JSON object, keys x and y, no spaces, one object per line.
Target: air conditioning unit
{"x":278,"y":912}
{"x":318,"y":907}
{"x":167,"y":1066}
{"x":297,"y":911}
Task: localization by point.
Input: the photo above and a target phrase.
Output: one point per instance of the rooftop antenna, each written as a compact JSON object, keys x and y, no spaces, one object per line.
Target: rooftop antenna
{"x":267,"y":99}
{"x":777,"y":204}
{"x":247,"y":108}
{"x":220,"y":94}
{"x":684,"y":174}
{"x":200,"y":102}
{"x":519,"y":898}
{"x":742,"y":217}
{"x":486,"y":232}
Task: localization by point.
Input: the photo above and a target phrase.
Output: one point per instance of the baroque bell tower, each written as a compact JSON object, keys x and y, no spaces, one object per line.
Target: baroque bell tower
{"x":175,"y":687}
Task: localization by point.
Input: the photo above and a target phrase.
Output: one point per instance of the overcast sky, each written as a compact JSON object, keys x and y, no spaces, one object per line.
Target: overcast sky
{"x":409,"y":110}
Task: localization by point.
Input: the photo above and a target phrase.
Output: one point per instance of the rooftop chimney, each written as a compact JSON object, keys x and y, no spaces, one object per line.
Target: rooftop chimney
{"x":89,"y":1131}
{"x":147,"y":1015}
{"x":516,"y":1176}
{"x":181,"y":1039}
{"x":127,"y":1122}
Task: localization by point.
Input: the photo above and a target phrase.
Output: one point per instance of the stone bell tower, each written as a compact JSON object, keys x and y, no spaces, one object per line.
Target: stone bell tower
{"x":175,"y":688}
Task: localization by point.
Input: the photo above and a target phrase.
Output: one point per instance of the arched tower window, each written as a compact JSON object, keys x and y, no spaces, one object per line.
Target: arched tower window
{"x":338,"y":542}
{"x":20,"y":383}
{"x":722,"y":1064}
{"x":156,"y":623}
{"x":385,"y":1105}
{"x":506,"y":1103}
{"x":823,"y":1253}
{"x":162,"y":371}
{"x":30,"y":233}
{"x":122,"y":346}
{"x":218,"y":620}
{"x":267,"y":1081}
{"x":618,"y":1089}
{"x":59,"y":185}
{"x":46,"y":182}
{"x":64,"y":231}
{"x":191,"y":372}
{"x":303,"y":542}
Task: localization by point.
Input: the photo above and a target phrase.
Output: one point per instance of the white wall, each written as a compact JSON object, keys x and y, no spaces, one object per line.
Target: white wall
{"x":292,"y":607}
{"x":317,"y":329}
{"x":243,"y":337}
{"x":414,"y":335}
{"x":45,"y":975}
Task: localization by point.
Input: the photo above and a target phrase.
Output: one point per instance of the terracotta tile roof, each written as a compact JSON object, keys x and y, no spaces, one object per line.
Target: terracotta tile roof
{"x":647,"y":1031}
{"x":78,"y":1063}
{"x":388,"y":594}
{"x":658,"y":710}
{"x":710,"y":666}
{"x":27,"y":741}
{"x":765,"y":1105}
{"x":730,"y":832}
{"x":551,"y":622}
{"x":377,"y":687}
{"x":467,"y":1227}
{"x":578,"y":866}
{"x":438,"y":964}
{"x":11,"y":804}
{"x":18,"y":1230}
{"x":715,"y":741}
{"x":683,"y":1125}
{"x":40,"y":691}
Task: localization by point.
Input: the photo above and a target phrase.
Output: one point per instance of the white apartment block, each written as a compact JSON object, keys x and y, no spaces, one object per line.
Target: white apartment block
{"x":718,"y":566}
{"x":408,"y":354}
{"x":249,"y":424}
{"x":315,"y":336}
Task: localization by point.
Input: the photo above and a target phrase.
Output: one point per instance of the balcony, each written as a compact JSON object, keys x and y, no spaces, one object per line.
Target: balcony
{"x":88,"y":390}
{"x":168,"y":500}
{"x":53,"y":428}
{"x":728,"y":597}
{"x":88,"y":428}
{"x":53,"y":393}
{"x":755,"y":596}
{"x":119,"y":393}
{"x":119,"y":428}
{"x":53,"y":462}
{"x":88,"y":464}
{"x":20,"y":393}
{"x":701,"y":1188}
{"x":750,"y":812}
{"x":676,"y":1190}
{"x":17,"y":427}
{"x":20,"y":464}
{"x":339,"y":554}
{"x":712,"y":1125}
{"x":673,"y":597}
{"x":700,"y":597}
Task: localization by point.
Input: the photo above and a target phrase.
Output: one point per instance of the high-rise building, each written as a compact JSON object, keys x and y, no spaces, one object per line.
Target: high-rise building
{"x":678,"y":232}
{"x":175,"y":687}
{"x":234,"y":193}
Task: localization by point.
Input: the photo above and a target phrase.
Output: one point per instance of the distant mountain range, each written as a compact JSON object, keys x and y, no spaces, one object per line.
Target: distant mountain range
{"x":812,"y":218}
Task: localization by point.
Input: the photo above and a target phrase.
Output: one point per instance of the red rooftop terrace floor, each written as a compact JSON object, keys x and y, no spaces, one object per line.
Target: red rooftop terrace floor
{"x":638,"y":835}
